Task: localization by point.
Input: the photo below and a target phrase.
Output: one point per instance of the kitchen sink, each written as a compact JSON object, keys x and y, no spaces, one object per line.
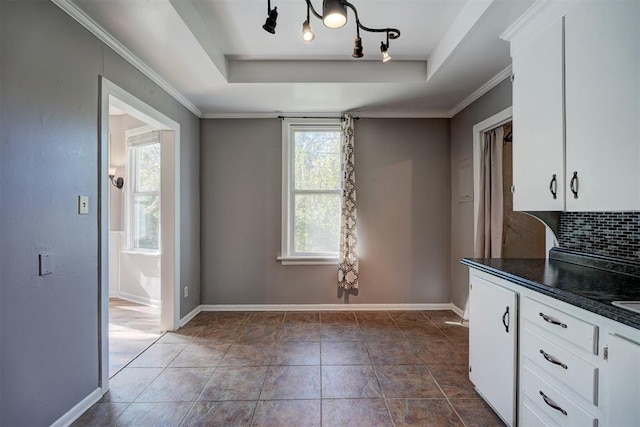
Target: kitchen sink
{"x":629,"y":305}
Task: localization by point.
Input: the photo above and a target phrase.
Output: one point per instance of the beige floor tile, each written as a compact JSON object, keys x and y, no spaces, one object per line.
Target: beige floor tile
{"x":298,"y":413}
{"x":220,"y":414}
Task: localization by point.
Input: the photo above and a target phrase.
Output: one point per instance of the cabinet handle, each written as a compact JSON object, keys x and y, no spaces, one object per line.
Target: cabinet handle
{"x":553,"y":187}
{"x":574,"y":184}
{"x":553,"y":321}
{"x":508,"y":321}
{"x":552,"y":359}
{"x":551,"y":403}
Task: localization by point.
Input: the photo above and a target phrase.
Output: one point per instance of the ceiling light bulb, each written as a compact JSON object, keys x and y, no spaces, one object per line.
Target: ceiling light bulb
{"x":270,"y":25}
{"x":334,"y":13}
{"x":307,"y":32}
{"x":385,"y":52}
{"x":357,"y":48}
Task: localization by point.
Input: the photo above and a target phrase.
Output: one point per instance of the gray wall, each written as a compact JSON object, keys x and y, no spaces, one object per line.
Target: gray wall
{"x":48,"y":134}
{"x":403,"y":184}
{"x":462,"y":124}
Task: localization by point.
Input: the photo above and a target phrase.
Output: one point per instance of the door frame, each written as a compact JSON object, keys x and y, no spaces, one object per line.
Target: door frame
{"x":112,"y":94}
{"x":498,"y":119}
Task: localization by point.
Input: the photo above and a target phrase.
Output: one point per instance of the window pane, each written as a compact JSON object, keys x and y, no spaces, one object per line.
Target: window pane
{"x":147,"y":158}
{"x":146,"y":216}
{"x":317,"y":223}
{"x":317,"y":160}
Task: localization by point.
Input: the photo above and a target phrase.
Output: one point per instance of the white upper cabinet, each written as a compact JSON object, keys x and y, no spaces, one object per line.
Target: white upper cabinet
{"x":538,"y":143}
{"x":576,"y":106}
{"x":602,"y":85}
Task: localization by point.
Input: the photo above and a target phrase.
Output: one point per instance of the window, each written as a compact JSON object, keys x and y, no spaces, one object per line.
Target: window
{"x":311,"y":191}
{"x":144,"y":191}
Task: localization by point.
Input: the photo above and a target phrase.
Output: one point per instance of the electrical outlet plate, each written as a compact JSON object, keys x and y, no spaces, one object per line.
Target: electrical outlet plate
{"x":186,"y":291}
{"x":83,"y":205}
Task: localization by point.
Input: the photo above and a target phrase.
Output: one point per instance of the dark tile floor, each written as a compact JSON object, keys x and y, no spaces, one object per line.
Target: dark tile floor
{"x":396,"y":368}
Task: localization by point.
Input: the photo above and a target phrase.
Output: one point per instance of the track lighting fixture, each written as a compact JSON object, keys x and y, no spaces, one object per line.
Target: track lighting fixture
{"x":334,"y":15}
{"x":357,"y":48}
{"x":270,"y":25}
{"x":307,"y":32}
{"x":385,"y":52}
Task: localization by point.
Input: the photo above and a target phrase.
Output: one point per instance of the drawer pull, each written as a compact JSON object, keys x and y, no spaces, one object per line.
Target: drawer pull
{"x":551,"y":403}
{"x":553,"y":321}
{"x":552,"y":359}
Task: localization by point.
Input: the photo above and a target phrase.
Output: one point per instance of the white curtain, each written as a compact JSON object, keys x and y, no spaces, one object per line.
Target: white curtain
{"x":348,"y":268}
{"x":490,"y":203}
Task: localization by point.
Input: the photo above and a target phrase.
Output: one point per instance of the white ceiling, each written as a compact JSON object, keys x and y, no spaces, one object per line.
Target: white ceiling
{"x":214,"y":56}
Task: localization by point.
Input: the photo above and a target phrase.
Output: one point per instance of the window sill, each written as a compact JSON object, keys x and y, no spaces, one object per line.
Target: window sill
{"x":309,"y":260}
{"x":146,"y":253}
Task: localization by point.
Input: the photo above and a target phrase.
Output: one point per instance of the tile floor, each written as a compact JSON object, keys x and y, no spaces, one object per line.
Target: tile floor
{"x":132,"y":328}
{"x":294,"y":369}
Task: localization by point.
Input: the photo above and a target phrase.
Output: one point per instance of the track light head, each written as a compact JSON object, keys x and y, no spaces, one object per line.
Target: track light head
{"x":385,"y":52}
{"x":357,"y":48}
{"x":307,"y":32}
{"x":334,"y":13}
{"x":270,"y":25}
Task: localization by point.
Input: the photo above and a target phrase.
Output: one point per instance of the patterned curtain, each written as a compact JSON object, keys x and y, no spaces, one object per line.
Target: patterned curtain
{"x":348,"y":268}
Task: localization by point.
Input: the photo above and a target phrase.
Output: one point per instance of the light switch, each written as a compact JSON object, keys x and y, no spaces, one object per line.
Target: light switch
{"x":46,"y":266}
{"x":83,"y":205}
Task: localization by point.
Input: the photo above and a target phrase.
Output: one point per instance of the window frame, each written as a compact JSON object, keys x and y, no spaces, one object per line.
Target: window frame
{"x":130,"y":170}
{"x":287,"y":254}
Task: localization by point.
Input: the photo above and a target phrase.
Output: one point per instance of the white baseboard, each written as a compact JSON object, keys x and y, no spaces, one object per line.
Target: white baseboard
{"x":457,"y":310}
{"x":193,"y":313}
{"x":323,"y":307}
{"x":137,"y":299}
{"x":75,"y":412}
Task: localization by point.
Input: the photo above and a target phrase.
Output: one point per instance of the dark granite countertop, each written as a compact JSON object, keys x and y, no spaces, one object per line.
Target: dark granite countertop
{"x":592,"y":289}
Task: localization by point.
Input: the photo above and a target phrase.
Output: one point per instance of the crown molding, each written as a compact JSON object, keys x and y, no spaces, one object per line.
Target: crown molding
{"x":431,"y":114}
{"x":528,"y":16}
{"x":103,"y":35}
{"x":498,"y":78}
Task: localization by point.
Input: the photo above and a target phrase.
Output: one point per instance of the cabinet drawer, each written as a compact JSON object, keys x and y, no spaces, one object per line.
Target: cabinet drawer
{"x":529,"y":417}
{"x":562,"y":365}
{"x":561,"y":324}
{"x":553,"y":403}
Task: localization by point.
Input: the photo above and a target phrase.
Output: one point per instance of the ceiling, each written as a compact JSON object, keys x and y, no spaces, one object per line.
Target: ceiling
{"x":215,"y":58}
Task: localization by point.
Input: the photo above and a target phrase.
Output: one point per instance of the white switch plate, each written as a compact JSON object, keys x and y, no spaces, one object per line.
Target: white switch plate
{"x":186,"y":291}
{"x":46,"y":266}
{"x":83,"y":205}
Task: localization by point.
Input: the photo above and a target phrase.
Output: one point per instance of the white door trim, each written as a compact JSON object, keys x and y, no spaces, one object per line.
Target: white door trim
{"x":112,"y":94}
{"x":504,"y":116}
{"x":479,"y":129}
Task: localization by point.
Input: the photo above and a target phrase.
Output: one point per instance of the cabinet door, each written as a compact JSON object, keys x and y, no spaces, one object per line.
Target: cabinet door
{"x":624,"y":382}
{"x":602,"y":82}
{"x":492,"y":345}
{"x":538,"y":132}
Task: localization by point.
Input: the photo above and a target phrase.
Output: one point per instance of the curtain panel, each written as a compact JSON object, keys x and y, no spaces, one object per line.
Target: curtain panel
{"x":349,"y":261}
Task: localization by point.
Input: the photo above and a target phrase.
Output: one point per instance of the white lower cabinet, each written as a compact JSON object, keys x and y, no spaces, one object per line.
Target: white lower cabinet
{"x":493,"y":330}
{"x":624,"y":381}
{"x":569,"y":366}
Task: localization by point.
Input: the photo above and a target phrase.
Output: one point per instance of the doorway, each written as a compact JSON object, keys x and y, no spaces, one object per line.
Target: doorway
{"x":522,"y":235}
{"x":134,"y":236}
{"x":138,"y":222}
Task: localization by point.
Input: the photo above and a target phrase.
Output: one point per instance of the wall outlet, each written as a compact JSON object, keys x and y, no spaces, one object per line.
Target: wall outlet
{"x":83,"y":205}
{"x":186,"y":291}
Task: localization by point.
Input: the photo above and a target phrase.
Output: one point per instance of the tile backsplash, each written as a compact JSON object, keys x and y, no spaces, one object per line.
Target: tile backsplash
{"x":614,"y":234}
